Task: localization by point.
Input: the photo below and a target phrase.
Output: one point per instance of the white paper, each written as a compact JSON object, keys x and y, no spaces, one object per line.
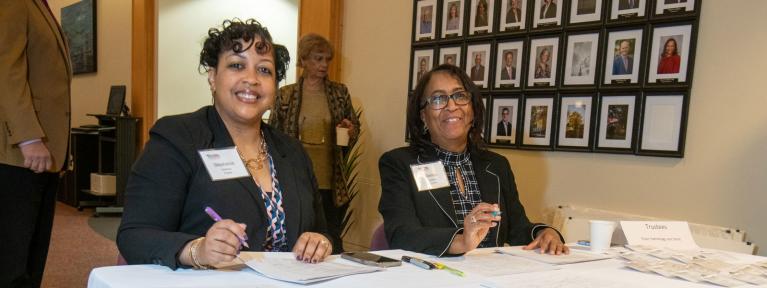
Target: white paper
{"x":429,"y":176}
{"x":489,"y":263}
{"x":223,"y":163}
{"x":665,"y":234}
{"x":284,"y":267}
{"x":575,"y":256}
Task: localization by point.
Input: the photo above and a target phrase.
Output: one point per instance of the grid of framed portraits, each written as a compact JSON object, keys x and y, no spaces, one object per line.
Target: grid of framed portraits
{"x":609,"y":76}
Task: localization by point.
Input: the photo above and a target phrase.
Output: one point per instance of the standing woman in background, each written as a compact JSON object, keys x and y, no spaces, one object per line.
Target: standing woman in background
{"x":310,"y":110}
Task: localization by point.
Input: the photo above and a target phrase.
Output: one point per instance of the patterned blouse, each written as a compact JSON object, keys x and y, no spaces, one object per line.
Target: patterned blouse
{"x":276,"y":234}
{"x":463,"y":203}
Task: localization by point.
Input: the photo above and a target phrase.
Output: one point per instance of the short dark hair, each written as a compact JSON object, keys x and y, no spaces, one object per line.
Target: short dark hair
{"x":225,"y":39}
{"x":505,"y":109}
{"x":421,"y":139}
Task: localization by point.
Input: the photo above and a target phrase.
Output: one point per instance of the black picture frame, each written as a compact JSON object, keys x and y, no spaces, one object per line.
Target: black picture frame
{"x":511,"y":23}
{"x":453,"y":29}
{"x":425,"y":25}
{"x":577,"y":109}
{"x":545,"y":20}
{"x":538,"y":121}
{"x":617,"y":75}
{"x":485,"y":51}
{"x":504,"y":80}
{"x":661,"y":70}
{"x":78,"y":22}
{"x":681,"y":8}
{"x":617,"y":122}
{"x":586,"y":13}
{"x":581,"y":63}
{"x":416,"y":59}
{"x":481,"y":26}
{"x":654,"y":139}
{"x":456,"y":52}
{"x":496,"y":137}
{"x":116,"y":100}
{"x":536,"y":76}
{"x":621,"y":12}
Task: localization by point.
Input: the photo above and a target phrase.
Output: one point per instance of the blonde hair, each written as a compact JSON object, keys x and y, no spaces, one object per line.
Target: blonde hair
{"x":312,"y":42}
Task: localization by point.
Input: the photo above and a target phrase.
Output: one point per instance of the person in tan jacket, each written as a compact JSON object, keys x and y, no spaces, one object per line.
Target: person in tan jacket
{"x":35,"y":77}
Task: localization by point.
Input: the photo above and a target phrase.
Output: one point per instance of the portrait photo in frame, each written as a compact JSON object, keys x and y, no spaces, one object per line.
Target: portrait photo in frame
{"x":538,"y":121}
{"x":622,"y":10}
{"x":669,"y":54}
{"x":503,"y":123}
{"x":425,"y":20}
{"x":543,"y":62}
{"x":478,"y":64}
{"x":78,"y":22}
{"x":575,"y":122}
{"x":584,"y":11}
{"x":508,"y":67}
{"x":581,"y":59}
{"x":513,"y":15}
{"x":623,"y":55}
{"x":547,"y":13}
{"x":452,"y":18}
{"x":481,"y":17}
{"x":662,"y":128}
{"x":423,"y":61}
{"x":617,"y":114}
{"x":450,"y":55}
{"x":674,"y":7}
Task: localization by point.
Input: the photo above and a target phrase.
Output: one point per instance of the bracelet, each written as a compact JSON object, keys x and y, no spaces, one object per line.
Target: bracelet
{"x":193,"y":253}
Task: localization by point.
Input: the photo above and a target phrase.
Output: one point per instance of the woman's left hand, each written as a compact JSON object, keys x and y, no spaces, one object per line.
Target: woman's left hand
{"x":346,"y":123}
{"x":312,"y":247}
{"x":548,"y":240}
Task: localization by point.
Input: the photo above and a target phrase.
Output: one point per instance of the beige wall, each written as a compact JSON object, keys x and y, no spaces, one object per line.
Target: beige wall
{"x":182,"y":27}
{"x":90,"y":91}
{"x":721,"y":181}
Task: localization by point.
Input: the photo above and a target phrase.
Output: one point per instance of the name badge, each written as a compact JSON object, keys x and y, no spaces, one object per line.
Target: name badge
{"x":223,"y":164}
{"x":430,"y":176}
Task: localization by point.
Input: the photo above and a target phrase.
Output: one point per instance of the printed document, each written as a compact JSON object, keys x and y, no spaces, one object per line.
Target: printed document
{"x":284,"y":267}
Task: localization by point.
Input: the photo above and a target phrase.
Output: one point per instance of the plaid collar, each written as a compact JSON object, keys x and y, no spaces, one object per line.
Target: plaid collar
{"x":452,"y":158}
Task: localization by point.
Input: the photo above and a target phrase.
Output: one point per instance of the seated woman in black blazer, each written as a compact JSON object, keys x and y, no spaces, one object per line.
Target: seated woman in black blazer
{"x":273,"y":204}
{"x":445,"y":194}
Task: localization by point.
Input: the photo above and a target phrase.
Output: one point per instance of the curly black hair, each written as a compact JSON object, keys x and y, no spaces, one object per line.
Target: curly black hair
{"x":420,"y":138}
{"x":225,"y":39}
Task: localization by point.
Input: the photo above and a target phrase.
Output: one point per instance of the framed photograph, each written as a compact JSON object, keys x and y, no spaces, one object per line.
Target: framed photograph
{"x":509,"y":62}
{"x":547,"y":13}
{"x":575,"y":124}
{"x":78,"y":22}
{"x":503,"y":124}
{"x":669,"y":54}
{"x":426,"y":17}
{"x":623,"y":57}
{"x":477,"y":64}
{"x":616,"y":123}
{"x":452,"y":18}
{"x":674,"y":7}
{"x":513,"y":15}
{"x":621,"y":10}
{"x":543,"y":62}
{"x":581,"y":59}
{"x":450,"y":55}
{"x":584,"y":11}
{"x":423,"y":61}
{"x":538,"y":121}
{"x":481,"y":17}
{"x":663,"y":125}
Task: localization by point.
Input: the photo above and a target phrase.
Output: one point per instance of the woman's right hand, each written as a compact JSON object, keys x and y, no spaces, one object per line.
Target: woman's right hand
{"x":221,"y":243}
{"x":476,"y":225}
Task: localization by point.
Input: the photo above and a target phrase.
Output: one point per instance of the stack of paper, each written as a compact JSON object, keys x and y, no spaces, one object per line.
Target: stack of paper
{"x":284,"y":267}
{"x":575,"y":256}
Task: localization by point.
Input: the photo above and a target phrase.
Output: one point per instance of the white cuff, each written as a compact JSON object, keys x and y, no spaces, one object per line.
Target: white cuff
{"x":25,"y":143}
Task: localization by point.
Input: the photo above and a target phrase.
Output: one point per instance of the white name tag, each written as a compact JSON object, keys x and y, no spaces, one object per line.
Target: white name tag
{"x":430,"y":176}
{"x":666,"y":234}
{"x":223,"y":164}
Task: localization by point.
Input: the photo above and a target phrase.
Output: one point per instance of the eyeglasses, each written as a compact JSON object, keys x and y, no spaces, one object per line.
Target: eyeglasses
{"x":438,"y":102}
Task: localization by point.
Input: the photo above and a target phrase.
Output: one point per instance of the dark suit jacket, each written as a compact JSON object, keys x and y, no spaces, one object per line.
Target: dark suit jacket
{"x":551,"y":13}
{"x":624,"y":4}
{"x":35,"y":77}
{"x":505,"y":75}
{"x":478,"y":72}
{"x":425,"y":221}
{"x":169,"y":187}
{"x":501,"y":129}
{"x":619,"y":68}
{"x":510,"y":15}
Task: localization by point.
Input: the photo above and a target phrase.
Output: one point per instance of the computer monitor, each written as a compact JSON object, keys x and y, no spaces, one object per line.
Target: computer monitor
{"x":116,"y":100}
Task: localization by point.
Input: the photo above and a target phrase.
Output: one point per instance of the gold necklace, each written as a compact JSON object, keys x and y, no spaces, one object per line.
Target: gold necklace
{"x":258,"y":162}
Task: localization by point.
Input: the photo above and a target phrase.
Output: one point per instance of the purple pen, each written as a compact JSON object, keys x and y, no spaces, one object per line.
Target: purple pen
{"x":213,"y":215}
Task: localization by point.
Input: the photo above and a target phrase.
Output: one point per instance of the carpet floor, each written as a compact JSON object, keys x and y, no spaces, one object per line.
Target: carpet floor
{"x":79,"y":243}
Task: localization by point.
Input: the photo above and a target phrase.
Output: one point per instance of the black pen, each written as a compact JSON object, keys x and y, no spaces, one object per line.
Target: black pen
{"x":418,"y":262}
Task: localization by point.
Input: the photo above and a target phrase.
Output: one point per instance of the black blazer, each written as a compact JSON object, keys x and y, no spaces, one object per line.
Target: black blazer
{"x":426,"y":221}
{"x":169,"y":187}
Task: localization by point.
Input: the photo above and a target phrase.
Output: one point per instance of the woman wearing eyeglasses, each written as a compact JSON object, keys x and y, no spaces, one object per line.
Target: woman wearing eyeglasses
{"x":446,"y":194}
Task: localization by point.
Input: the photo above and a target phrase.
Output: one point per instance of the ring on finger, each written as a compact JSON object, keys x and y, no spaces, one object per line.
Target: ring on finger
{"x":473,"y":219}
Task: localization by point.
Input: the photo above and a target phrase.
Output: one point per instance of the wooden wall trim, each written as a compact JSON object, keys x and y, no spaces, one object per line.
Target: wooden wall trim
{"x":324,"y":17}
{"x":143,"y":66}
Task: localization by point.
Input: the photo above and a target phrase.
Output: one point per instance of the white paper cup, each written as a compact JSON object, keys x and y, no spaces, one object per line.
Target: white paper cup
{"x":601,"y":235}
{"x":342,"y":136}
